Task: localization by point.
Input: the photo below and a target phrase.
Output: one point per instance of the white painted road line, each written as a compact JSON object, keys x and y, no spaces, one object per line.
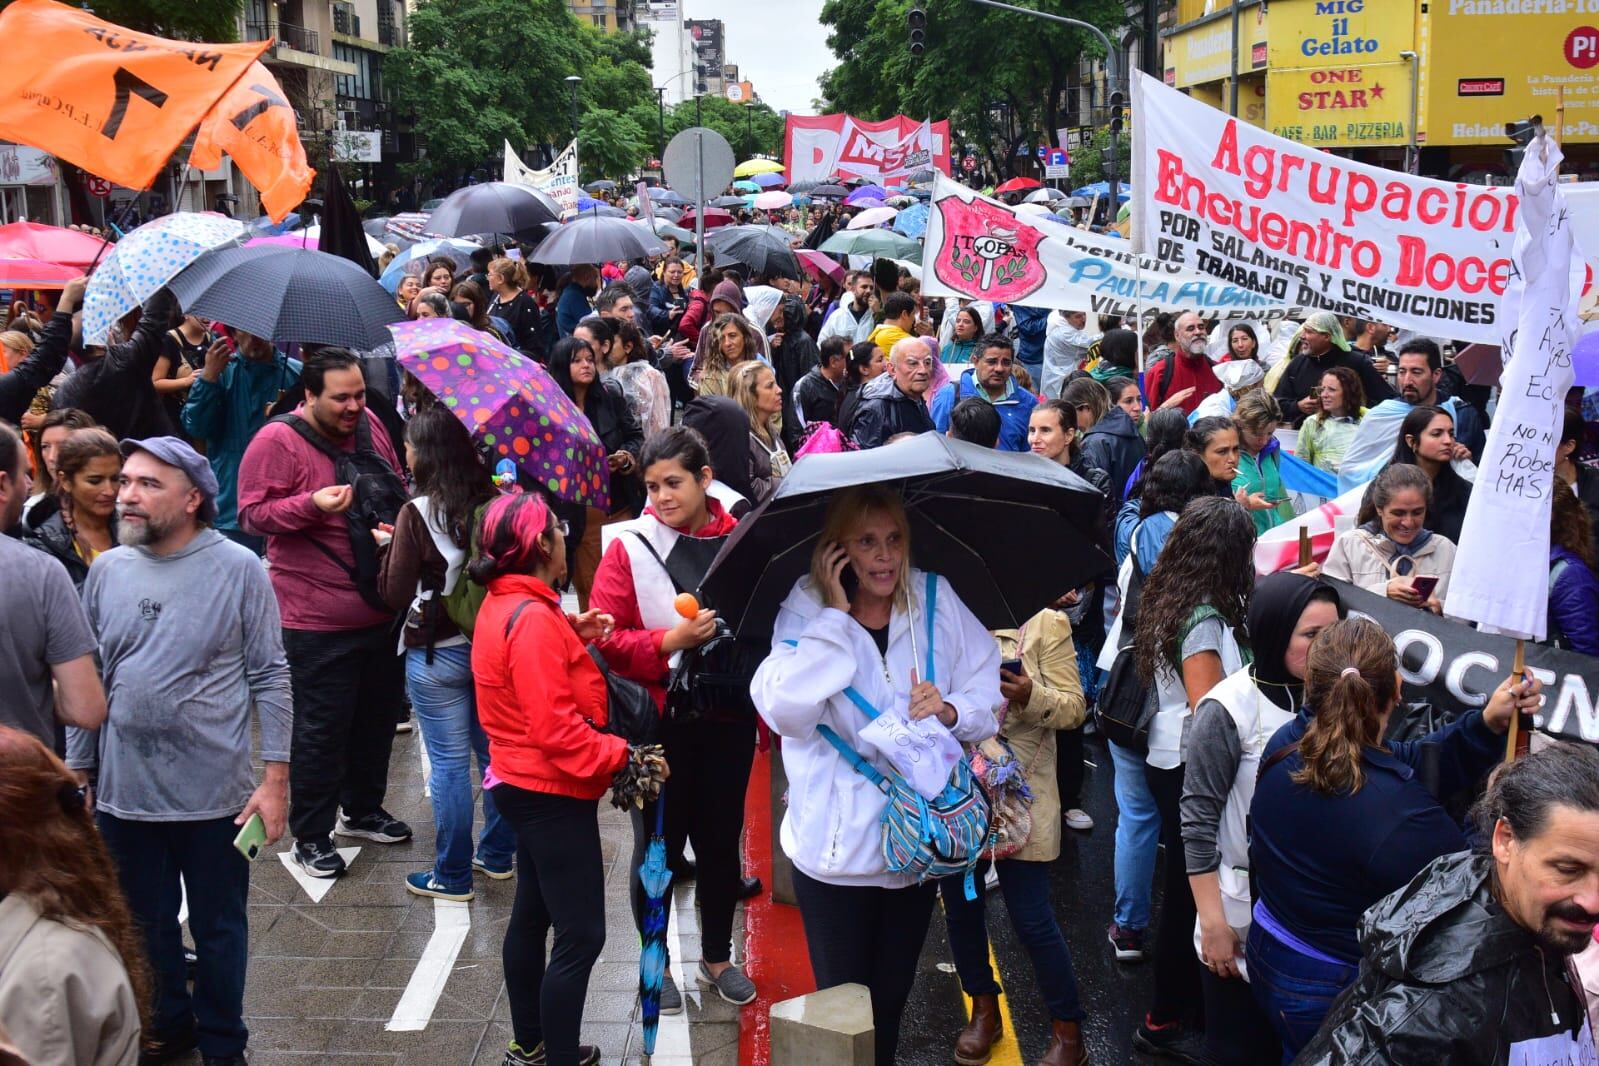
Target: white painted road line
{"x":451,"y":922}
{"x":315,"y":887}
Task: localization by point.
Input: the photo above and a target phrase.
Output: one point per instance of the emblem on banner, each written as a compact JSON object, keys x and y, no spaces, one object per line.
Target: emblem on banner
{"x":988,"y":253}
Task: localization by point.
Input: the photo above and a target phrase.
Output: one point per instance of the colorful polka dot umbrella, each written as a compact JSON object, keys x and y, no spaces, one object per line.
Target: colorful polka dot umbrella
{"x":510,"y":403}
{"x":146,"y":259}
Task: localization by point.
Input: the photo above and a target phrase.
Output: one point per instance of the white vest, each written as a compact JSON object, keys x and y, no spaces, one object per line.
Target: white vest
{"x":1256,"y":719}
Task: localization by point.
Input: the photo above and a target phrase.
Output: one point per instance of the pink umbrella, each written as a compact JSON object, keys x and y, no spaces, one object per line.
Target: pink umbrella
{"x":290,"y":240}
{"x":773,"y":201}
{"x":820,"y":265}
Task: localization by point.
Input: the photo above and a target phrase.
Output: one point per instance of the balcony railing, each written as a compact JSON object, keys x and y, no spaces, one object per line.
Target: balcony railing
{"x":289,"y":36}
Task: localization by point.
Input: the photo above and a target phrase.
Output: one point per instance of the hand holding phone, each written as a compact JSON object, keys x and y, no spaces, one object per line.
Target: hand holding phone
{"x":1425,"y":585}
{"x":252,"y":838}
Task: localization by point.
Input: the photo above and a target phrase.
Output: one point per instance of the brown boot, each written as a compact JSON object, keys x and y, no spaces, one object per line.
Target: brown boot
{"x":1065,"y":1046}
{"x":973,"y":1044}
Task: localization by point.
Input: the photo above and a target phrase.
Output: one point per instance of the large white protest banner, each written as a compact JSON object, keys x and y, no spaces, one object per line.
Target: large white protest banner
{"x":978,"y":248}
{"x":1304,"y":227}
{"x":559,"y":180}
{"x":1500,"y":578}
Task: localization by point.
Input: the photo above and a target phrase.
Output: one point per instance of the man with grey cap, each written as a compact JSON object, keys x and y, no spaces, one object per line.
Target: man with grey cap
{"x":189,"y":640}
{"x":1319,"y":346}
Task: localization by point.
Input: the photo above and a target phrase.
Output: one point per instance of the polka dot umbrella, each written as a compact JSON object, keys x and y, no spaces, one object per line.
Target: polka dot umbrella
{"x":510,"y":404}
{"x":146,"y":259}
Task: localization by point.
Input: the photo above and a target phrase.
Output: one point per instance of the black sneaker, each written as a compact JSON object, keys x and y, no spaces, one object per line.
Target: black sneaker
{"x":164,"y":1047}
{"x":318,"y":857}
{"x":587,"y":1055}
{"x":380,"y":826}
{"x":1173,"y":1041}
{"x":1128,"y":943}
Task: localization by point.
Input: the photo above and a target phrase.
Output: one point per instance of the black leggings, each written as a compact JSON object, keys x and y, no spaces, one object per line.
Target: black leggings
{"x":560,"y":881}
{"x":869,"y":936}
{"x":1237,"y":1032}
{"x":1177,"y":989}
{"x":710,"y":765}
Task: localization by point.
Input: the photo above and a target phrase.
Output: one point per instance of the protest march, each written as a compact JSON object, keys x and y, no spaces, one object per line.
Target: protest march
{"x":502,"y":565}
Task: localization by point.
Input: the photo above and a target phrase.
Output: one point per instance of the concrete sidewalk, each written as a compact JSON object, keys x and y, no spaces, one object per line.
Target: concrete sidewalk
{"x":326,"y":977}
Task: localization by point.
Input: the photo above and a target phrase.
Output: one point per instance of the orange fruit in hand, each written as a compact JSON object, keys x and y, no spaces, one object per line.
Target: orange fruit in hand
{"x":686,"y":605}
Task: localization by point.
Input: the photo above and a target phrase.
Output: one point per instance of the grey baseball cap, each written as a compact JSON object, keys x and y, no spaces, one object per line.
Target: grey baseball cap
{"x":181,"y":454}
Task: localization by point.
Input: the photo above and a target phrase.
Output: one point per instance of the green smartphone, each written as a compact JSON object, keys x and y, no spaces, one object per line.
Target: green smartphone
{"x":252,"y":838}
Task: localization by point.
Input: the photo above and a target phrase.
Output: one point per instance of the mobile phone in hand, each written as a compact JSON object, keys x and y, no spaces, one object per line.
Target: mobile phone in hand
{"x":1424,"y":586}
{"x":252,"y":838}
{"x":1013,"y":665}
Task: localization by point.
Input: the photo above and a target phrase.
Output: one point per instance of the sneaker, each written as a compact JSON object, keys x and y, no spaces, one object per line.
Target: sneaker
{"x":423,"y":883}
{"x":497,"y":873}
{"x":403,"y":726}
{"x":164,"y":1047}
{"x":380,"y":826}
{"x":1173,"y":1041}
{"x":1127,"y":943}
{"x":318,"y":857}
{"x":587,"y":1055}
{"x":671,"y":997}
{"x":1077,"y":818}
{"x":732,"y":986}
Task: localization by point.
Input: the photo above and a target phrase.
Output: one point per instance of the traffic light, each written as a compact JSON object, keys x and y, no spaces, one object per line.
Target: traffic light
{"x":1118,"y":111}
{"x":916,"y":19}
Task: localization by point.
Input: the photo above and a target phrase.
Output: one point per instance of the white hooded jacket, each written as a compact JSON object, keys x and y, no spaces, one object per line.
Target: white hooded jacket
{"x":831,"y":829}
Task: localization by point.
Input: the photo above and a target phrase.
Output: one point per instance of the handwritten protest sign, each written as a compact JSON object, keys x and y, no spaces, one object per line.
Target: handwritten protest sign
{"x":981,"y":249}
{"x":1501,"y":574}
{"x":256,"y":126}
{"x":114,"y":102}
{"x":559,"y":179}
{"x":1303,"y":227}
{"x":924,"y":752}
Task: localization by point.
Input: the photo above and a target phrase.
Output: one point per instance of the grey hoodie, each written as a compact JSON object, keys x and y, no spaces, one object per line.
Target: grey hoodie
{"x":188,"y":642}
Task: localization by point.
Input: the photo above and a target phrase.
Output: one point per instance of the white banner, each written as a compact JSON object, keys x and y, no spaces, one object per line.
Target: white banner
{"x":981,"y":249}
{"x":1500,"y":578}
{"x":1232,"y":201}
{"x":560,"y":180}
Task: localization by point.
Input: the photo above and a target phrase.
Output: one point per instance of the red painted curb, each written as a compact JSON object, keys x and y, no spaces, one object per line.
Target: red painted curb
{"x":775,"y":956}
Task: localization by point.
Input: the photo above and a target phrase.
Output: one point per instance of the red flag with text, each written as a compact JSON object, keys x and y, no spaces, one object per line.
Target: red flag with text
{"x":112,"y":101}
{"x":255,"y":125}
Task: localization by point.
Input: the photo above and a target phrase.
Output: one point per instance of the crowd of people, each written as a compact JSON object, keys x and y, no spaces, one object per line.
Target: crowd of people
{"x":215,"y":537}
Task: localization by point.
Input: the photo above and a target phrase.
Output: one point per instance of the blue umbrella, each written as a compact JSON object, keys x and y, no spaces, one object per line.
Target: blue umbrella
{"x":1101,"y":189}
{"x":267,"y":228}
{"x":745,"y":185}
{"x":912,"y":221}
{"x":768,"y":181}
{"x":454,"y":249}
{"x":656,"y":880}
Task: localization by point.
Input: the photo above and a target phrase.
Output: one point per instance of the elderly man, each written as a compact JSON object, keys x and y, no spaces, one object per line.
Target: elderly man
{"x":895,"y":402}
{"x":1470,"y":962}
{"x":1187,"y":371}
{"x":991,"y":381}
{"x":1323,"y":347}
{"x":189,"y":641}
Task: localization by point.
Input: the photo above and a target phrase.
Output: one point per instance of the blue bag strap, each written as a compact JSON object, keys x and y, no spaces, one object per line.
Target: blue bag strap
{"x":931,"y":610}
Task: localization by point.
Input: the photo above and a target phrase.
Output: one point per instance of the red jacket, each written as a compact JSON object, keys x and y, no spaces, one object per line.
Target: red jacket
{"x":632,"y":650}
{"x":695,"y":317}
{"x":534,"y":692}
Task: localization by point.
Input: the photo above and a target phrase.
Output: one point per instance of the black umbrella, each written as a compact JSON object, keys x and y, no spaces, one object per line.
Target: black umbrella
{"x":342,"y":234}
{"x":603,"y":185}
{"x":671,"y":214}
{"x":974,"y":513}
{"x":764,"y":249}
{"x":288,"y":294}
{"x":604,"y":211}
{"x":662,"y":195}
{"x":595,"y":239}
{"x":727,"y":201}
{"x":828,"y":192}
{"x":493,"y":207}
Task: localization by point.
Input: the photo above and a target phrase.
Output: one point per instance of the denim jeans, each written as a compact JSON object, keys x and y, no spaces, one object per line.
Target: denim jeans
{"x":1137,"y":834}
{"x":150,"y":857}
{"x":446,"y":712}
{"x":1295,"y":991}
{"x":1025,"y":886}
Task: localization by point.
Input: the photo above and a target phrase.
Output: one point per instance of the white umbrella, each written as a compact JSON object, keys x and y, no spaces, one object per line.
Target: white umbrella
{"x":1032,"y":208}
{"x":1041,"y":196}
{"x":873,"y":216}
{"x":774,"y":200}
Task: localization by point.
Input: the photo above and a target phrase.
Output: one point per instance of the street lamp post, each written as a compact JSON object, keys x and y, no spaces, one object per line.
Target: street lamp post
{"x":1412,"y":147}
{"x":572,"y":82}
{"x":660,"y":120}
{"x":1112,"y":59}
{"x":749,"y":128}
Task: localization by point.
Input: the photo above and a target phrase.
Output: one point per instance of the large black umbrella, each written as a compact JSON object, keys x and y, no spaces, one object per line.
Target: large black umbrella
{"x":493,"y":207}
{"x":1012,"y":532}
{"x":288,"y":294}
{"x":603,"y":185}
{"x":828,"y":192}
{"x":596,"y":239}
{"x":764,"y":249}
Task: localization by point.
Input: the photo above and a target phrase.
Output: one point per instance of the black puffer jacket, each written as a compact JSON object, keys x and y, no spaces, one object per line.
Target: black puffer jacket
{"x":791,"y":361}
{"x":1446,"y":977}
{"x":882,"y":411}
{"x":52,"y":537}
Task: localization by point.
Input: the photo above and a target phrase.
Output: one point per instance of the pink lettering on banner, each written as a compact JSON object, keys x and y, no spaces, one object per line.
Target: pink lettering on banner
{"x":988,"y":254}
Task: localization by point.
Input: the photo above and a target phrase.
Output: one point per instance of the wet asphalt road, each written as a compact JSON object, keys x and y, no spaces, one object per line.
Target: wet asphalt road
{"x":1082,"y":887}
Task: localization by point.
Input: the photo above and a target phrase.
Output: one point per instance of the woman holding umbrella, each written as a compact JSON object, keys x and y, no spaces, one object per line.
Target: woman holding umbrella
{"x":858,"y":622}
{"x":646,"y":569}
{"x":575,"y":367}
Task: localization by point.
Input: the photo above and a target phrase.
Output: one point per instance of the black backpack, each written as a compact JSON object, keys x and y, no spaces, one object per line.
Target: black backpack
{"x":379,"y":495}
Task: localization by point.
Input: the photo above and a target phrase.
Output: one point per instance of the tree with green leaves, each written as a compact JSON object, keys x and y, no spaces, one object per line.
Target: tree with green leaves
{"x":610,"y":144}
{"x":975,"y":58}
{"x":751,"y":129}
{"x":185,"y":20}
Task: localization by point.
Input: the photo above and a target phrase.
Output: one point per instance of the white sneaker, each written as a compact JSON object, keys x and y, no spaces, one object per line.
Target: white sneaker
{"x":1077,"y":818}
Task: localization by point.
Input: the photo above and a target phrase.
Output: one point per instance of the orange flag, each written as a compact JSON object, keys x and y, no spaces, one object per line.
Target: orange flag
{"x":114,"y":102}
{"x":256,"y":126}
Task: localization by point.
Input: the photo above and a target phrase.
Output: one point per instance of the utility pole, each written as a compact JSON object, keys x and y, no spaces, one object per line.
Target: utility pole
{"x":1112,"y":56}
{"x":660,"y":126}
{"x":572,"y":82}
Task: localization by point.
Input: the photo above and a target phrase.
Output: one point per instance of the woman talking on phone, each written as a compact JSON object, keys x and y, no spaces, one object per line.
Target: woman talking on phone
{"x":859,"y":624}
{"x":647,"y":567}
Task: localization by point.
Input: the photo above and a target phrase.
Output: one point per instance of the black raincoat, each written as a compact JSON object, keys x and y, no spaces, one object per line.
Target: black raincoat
{"x":1446,"y":976}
